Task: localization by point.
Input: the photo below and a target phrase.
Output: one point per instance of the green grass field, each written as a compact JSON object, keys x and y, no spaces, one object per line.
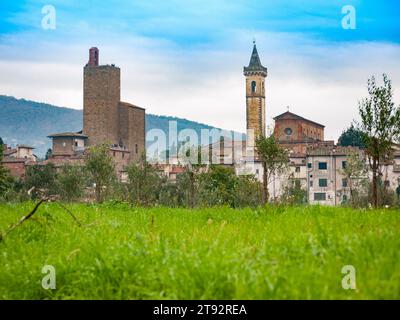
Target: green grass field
{"x":217,"y":253}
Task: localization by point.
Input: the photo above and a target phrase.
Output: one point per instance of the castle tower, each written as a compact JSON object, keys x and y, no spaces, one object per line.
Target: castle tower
{"x":255,"y":75}
{"x":101,"y":97}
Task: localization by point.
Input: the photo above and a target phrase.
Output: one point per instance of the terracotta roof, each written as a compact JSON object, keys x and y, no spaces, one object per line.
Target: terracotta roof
{"x":14,"y":160}
{"x":291,"y":116}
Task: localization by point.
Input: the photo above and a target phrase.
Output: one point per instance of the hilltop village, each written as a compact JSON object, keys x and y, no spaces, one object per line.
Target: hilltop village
{"x":315,"y":164}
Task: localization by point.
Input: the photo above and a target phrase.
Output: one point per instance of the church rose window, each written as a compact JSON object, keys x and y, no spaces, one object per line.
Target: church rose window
{"x":288,"y":131}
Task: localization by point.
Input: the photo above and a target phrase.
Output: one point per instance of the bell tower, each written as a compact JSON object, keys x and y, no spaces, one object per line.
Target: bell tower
{"x":255,"y":75}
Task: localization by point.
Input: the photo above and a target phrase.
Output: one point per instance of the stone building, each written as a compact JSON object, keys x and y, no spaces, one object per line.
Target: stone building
{"x":15,"y":160}
{"x":106,"y":119}
{"x":255,"y":74}
{"x":326,"y":181}
{"x":68,"y":144}
{"x":297,"y":133}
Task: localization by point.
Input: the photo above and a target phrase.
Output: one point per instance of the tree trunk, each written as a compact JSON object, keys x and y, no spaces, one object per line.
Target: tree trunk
{"x":374,"y":183}
{"x":350,"y":181}
{"x":98,"y":192}
{"x":191,"y":191}
{"x":265,"y":197}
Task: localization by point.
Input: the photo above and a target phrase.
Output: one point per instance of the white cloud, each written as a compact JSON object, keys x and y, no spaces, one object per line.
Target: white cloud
{"x":318,"y":80}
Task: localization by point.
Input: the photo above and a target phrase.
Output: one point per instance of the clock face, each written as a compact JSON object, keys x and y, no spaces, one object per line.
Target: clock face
{"x":288,"y":131}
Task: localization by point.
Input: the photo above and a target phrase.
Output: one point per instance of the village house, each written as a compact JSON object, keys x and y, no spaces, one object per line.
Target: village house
{"x":16,"y":159}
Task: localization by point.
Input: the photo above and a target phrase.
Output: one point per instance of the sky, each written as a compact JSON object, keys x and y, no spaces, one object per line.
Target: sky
{"x":186,"y":58}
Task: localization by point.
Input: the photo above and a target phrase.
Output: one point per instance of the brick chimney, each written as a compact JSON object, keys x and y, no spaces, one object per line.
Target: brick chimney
{"x":93,"y":57}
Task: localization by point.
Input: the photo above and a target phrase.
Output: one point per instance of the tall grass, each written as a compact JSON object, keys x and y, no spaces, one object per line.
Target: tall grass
{"x":218,"y":253}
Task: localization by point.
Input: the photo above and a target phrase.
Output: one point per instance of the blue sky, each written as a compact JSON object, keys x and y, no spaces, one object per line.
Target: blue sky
{"x":187,"y":22}
{"x":185,"y":58}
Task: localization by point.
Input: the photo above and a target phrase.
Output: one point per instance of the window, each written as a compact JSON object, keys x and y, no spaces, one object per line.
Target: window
{"x":288,"y":131}
{"x":297,"y":183}
{"x":297,"y":169}
{"x":309,"y":165}
{"x":64,"y":144}
{"x":344,"y":198}
{"x":323,"y":182}
{"x":76,"y":143}
{"x":311,"y":183}
{"x":136,"y":148}
{"x":319,"y":196}
{"x":322,"y":166}
{"x":344,"y":164}
{"x":253,"y":86}
{"x":387,"y":183}
{"x":344,"y":182}
{"x":114,"y":154}
{"x":123,"y":155}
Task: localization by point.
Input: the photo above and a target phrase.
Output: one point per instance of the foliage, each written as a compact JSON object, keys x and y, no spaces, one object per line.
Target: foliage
{"x":274,"y":160}
{"x":351,"y":137}
{"x":100,"y":169}
{"x":43,"y":178}
{"x":49,"y":152}
{"x":144,"y":183}
{"x":248,"y":192}
{"x":293,"y":193}
{"x":191,"y":157}
{"x":356,"y":173}
{"x":5,"y":178}
{"x":217,"y":186}
{"x":380,"y":125}
{"x":218,"y":253}
{"x":72,"y":181}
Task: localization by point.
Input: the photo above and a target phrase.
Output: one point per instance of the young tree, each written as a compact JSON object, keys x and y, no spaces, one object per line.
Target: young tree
{"x":71,"y":181}
{"x":274,"y":161}
{"x":191,"y":158}
{"x":356,"y":174}
{"x":144,"y":182}
{"x":217,"y":186}
{"x":42,"y":178}
{"x":248,"y":191}
{"x":380,"y":125}
{"x":100,"y":168}
{"x":293,"y":193}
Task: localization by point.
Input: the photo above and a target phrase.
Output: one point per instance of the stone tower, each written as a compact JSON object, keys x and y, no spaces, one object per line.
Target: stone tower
{"x":255,"y":75}
{"x":101,"y":98}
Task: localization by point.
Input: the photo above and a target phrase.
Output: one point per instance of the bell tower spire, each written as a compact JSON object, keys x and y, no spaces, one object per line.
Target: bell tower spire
{"x":255,"y":74}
